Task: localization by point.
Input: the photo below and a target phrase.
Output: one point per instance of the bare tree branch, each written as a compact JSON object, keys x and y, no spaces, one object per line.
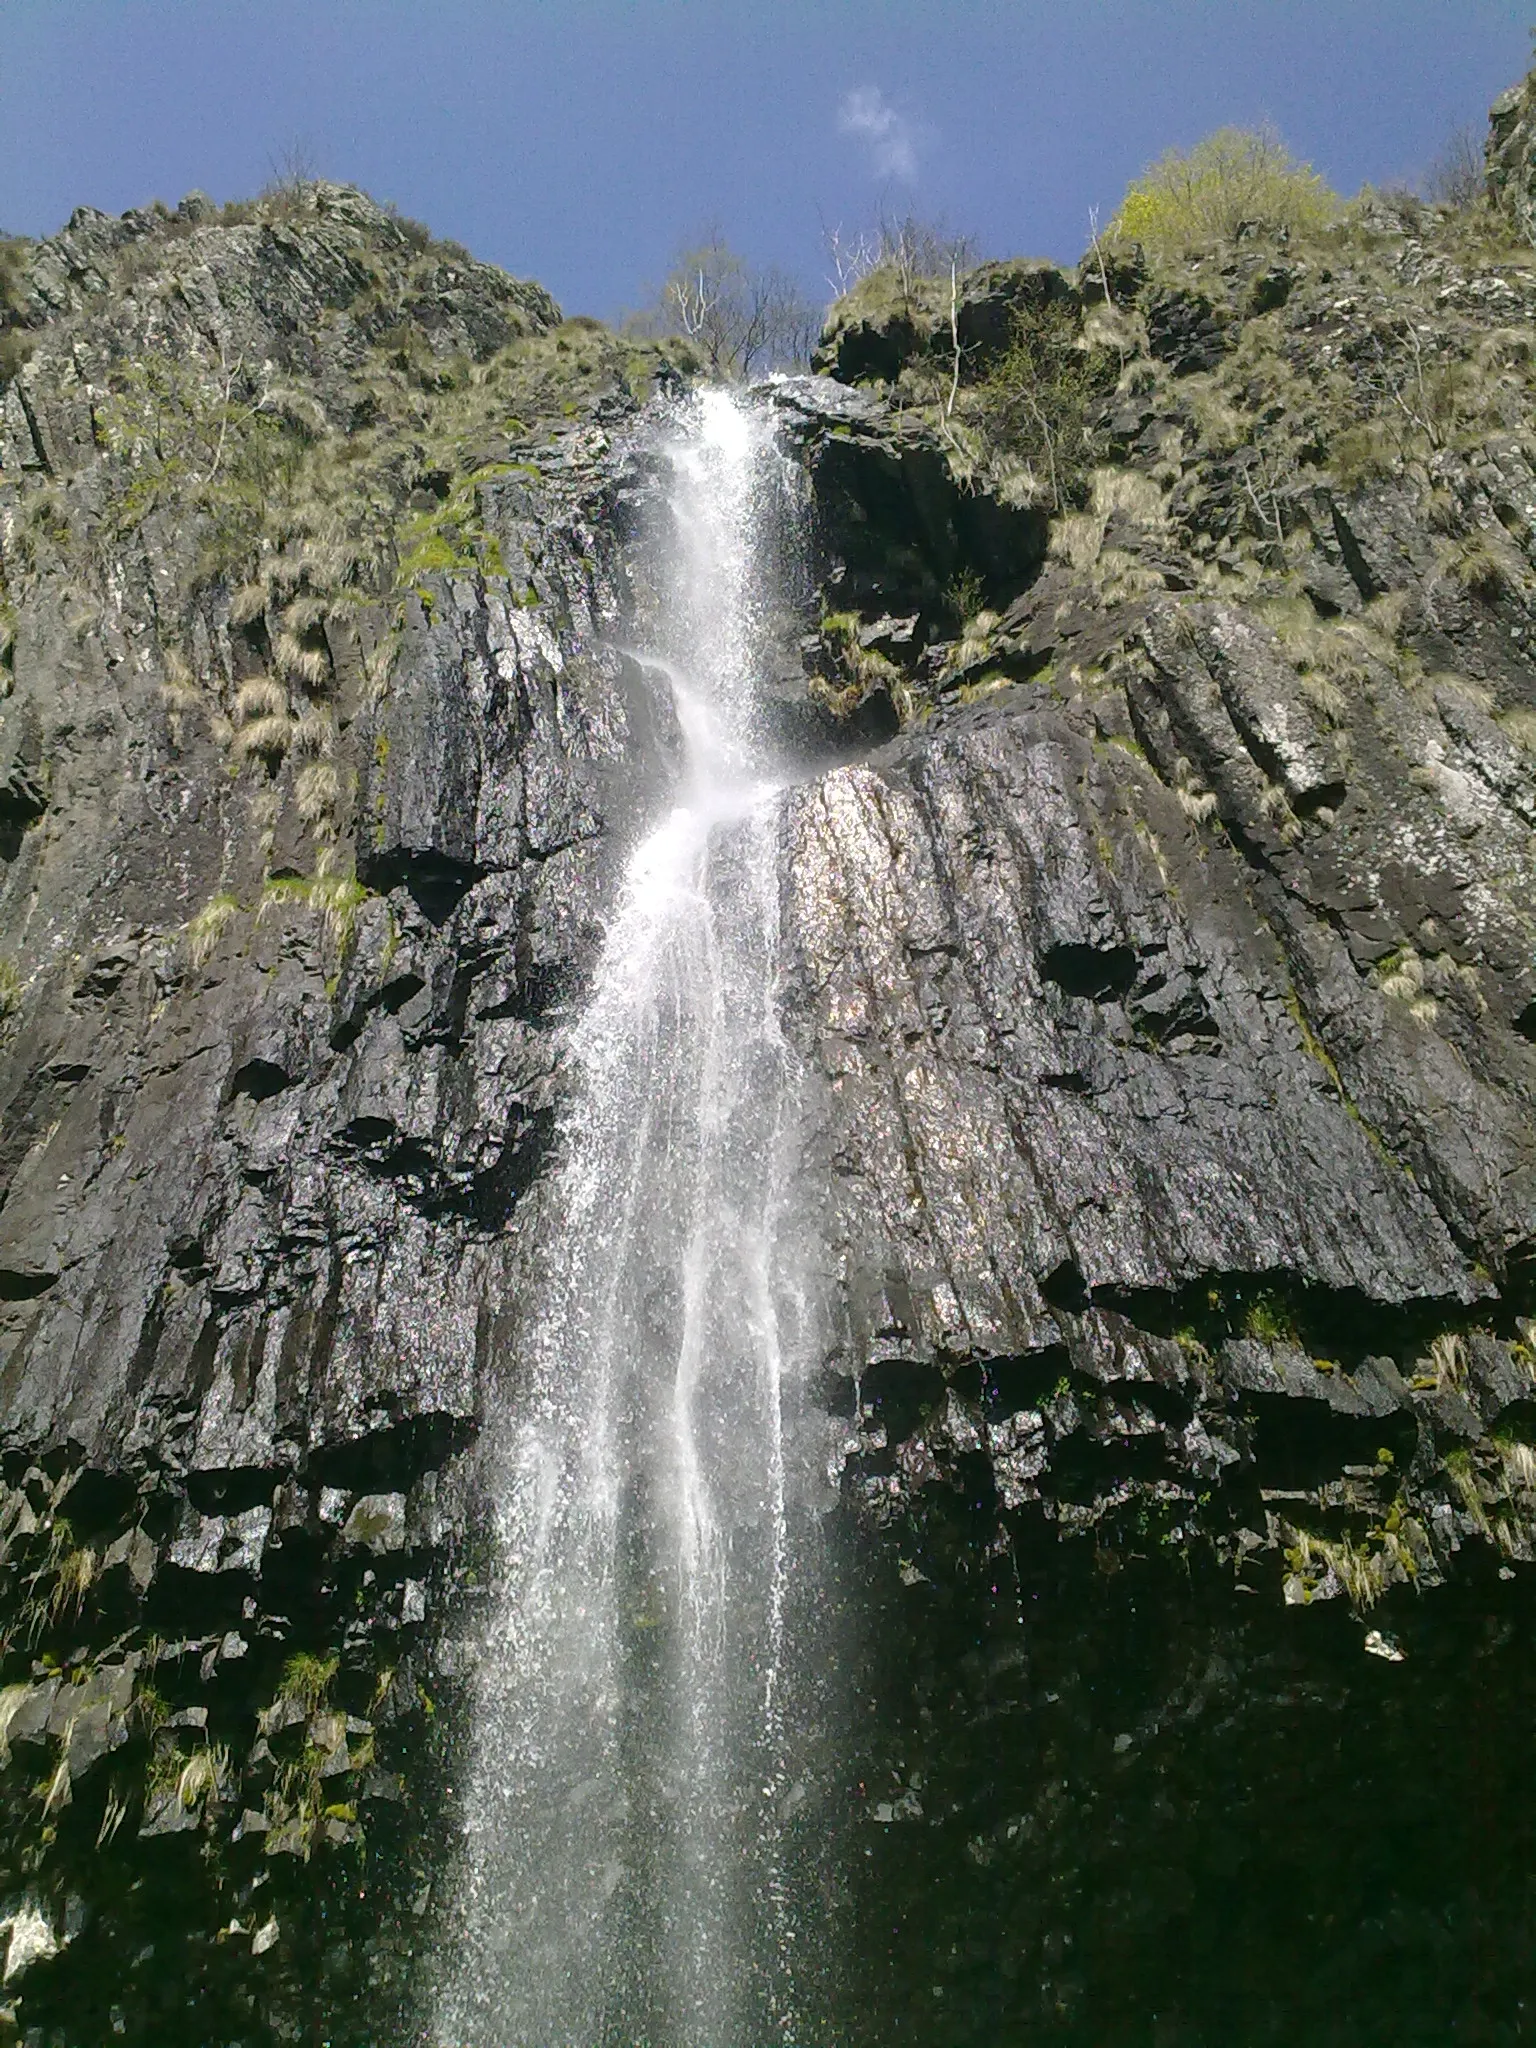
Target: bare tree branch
{"x":741,"y":320}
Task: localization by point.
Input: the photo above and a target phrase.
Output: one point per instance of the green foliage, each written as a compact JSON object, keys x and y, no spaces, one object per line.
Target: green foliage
{"x":151,"y":1709}
{"x":199,"y":436}
{"x":964,"y":595}
{"x":452,"y":538}
{"x":1036,"y":401}
{"x":855,"y":672}
{"x":1269,"y":1320}
{"x":335,"y":897}
{"x":307,"y":1679}
{"x":1363,"y":1570}
{"x":1234,"y":178}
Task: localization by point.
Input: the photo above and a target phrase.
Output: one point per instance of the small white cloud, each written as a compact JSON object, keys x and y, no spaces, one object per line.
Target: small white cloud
{"x":867,"y":114}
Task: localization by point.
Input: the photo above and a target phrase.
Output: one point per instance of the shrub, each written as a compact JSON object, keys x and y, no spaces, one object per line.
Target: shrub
{"x":1037,"y":399}
{"x":1234,"y":178}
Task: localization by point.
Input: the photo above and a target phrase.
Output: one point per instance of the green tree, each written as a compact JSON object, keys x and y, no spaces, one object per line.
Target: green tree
{"x":1236,"y":177}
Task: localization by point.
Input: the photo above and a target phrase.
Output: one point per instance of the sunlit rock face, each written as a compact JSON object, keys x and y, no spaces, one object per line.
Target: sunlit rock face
{"x":1150,"y":895}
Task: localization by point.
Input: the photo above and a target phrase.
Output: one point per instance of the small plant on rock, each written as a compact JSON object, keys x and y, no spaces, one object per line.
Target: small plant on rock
{"x":202,"y":1775}
{"x":204,"y":929}
{"x":857,"y":671}
{"x":1269,"y":1320}
{"x":307,"y":1680}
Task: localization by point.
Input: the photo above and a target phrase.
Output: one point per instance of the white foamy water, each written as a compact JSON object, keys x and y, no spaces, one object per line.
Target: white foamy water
{"x":629,"y":1871}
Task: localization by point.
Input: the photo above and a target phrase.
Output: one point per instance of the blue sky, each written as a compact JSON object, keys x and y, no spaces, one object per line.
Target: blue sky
{"x":583,"y":142}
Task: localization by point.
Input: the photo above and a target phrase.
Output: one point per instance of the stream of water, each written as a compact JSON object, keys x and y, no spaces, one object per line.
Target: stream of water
{"x":630,"y":1863}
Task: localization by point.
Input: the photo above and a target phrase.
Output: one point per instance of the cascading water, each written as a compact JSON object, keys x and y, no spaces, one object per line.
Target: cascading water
{"x":630,"y":1871}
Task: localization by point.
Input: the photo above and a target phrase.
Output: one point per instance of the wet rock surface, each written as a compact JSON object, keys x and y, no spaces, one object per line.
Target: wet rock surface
{"x":1170,"y":969}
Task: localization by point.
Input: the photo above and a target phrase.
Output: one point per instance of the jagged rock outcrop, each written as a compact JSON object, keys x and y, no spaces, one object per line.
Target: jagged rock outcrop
{"x":1511,"y":154}
{"x":1173,"y":970}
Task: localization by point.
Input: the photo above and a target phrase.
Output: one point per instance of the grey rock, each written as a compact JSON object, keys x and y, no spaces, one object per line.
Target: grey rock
{"x":1168,"y":1012}
{"x":30,"y":1720}
{"x":167,"y":1815}
{"x":376,"y":1523}
{"x":1511,"y":152}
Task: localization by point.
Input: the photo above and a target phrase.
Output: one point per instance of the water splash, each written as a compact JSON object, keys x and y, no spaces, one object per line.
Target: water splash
{"x":631,"y":1871}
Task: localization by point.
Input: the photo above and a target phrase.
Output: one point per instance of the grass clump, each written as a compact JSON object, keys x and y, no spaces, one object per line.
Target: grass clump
{"x":452,"y":539}
{"x":1363,"y":1571}
{"x":204,"y":930}
{"x":1268,"y":1319}
{"x":856,"y":671}
{"x":307,"y":1680}
{"x":202,"y":1775}
{"x":61,"y":1584}
{"x":335,"y":897}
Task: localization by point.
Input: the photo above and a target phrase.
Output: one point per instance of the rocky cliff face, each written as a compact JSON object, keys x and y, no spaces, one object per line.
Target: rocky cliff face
{"x":313,"y":535}
{"x":1160,"y":919}
{"x":1176,"y":969}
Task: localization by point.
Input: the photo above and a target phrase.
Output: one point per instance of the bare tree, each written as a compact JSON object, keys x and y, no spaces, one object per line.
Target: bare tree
{"x":851,"y":256}
{"x":740,"y":319}
{"x":293,"y":177}
{"x":916,"y":248}
{"x":913,"y":248}
{"x":1457,"y":175}
{"x":1098,"y":254}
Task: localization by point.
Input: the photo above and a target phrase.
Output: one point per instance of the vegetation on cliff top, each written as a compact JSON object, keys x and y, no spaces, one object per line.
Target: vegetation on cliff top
{"x":1238,"y":178}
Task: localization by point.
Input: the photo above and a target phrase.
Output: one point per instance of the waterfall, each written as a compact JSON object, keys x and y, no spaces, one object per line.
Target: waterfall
{"x":630,"y":1862}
